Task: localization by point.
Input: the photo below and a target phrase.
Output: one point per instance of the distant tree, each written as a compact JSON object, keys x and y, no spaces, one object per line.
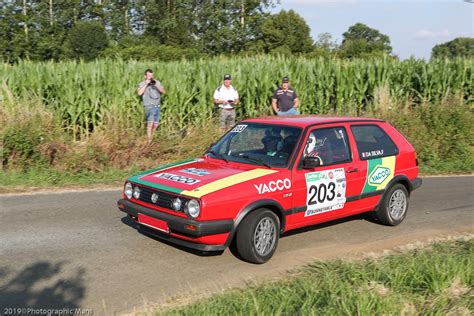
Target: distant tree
{"x":325,"y":41}
{"x":229,"y":26}
{"x":37,"y":29}
{"x":213,"y":27}
{"x":362,"y":41}
{"x":147,"y":48}
{"x":48,"y":28}
{"x":324,"y":46}
{"x":58,"y":29}
{"x":286,"y":31}
{"x":87,"y":40}
{"x":120,"y":17}
{"x":458,"y":47}
{"x":12,"y":37}
{"x":169,"y":21}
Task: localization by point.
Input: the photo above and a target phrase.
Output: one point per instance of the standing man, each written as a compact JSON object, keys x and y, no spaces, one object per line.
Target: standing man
{"x":151,"y":90}
{"x":226,"y":97}
{"x":284,"y":99}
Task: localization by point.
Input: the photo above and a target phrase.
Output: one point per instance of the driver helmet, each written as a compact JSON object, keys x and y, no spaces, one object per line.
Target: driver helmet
{"x":272,"y":135}
{"x":267,"y":139}
{"x":310,"y":144}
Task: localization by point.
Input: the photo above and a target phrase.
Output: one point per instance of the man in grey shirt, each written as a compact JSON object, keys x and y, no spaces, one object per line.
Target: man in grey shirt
{"x":285,"y":100}
{"x":151,"y":90}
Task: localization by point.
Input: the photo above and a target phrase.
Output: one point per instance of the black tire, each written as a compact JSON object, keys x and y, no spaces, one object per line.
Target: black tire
{"x":388,"y":213}
{"x":245,"y":239}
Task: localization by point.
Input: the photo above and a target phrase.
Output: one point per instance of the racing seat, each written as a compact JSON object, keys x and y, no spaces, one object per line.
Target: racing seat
{"x":326,"y":153}
{"x":339,"y":151}
{"x":289,"y":144}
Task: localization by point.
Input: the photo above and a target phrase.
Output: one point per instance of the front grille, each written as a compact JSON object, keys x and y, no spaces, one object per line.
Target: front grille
{"x":165,"y":200}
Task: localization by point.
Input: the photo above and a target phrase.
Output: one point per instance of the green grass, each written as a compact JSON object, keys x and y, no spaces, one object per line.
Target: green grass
{"x":36,"y":152}
{"x":433,"y":281}
{"x":14,"y":181}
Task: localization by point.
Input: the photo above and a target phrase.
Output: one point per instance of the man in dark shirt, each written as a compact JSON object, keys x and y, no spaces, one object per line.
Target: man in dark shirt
{"x":285,"y":100}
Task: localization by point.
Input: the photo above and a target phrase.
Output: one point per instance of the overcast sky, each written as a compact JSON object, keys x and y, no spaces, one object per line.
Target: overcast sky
{"x":414,"y":27}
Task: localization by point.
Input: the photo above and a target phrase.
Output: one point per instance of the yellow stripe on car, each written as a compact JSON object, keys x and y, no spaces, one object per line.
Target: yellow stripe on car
{"x":227,"y":182}
{"x":387,"y":162}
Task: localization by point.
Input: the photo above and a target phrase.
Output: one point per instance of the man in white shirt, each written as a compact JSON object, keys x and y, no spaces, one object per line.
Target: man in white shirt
{"x":226,"y":97}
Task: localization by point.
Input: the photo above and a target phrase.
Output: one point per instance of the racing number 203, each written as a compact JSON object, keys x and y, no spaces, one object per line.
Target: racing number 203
{"x":321,"y":193}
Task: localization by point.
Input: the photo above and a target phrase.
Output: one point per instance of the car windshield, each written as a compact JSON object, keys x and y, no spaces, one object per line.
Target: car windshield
{"x":262,"y":144}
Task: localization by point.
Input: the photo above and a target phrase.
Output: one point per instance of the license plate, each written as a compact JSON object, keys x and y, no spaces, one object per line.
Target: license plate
{"x":154,"y":223}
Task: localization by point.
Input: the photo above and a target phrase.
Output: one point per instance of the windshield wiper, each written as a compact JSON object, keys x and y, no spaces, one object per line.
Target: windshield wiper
{"x":255,"y":159}
{"x":218,"y":155}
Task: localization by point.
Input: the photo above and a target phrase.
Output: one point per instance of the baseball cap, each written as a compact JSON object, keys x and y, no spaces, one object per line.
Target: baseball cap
{"x":285,"y":79}
{"x":227,"y":77}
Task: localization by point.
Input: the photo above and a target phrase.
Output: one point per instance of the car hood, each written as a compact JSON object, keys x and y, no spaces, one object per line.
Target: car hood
{"x":198,"y":177}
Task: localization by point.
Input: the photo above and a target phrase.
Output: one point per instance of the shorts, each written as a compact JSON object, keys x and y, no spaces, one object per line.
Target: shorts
{"x":292,"y":111}
{"x":227,"y":118}
{"x":152,"y":114}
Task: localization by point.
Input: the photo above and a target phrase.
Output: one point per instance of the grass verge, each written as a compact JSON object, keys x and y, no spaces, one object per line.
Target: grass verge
{"x":37,"y":151}
{"x":437,"y":280}
{"x":37,"y":179}
{"x":19,"y":181}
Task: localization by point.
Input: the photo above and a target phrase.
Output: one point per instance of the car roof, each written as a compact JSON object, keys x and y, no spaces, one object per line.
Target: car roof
{"x":307,"y":120}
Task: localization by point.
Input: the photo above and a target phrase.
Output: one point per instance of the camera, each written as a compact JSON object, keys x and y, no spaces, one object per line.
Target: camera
{"x":152,"y":82}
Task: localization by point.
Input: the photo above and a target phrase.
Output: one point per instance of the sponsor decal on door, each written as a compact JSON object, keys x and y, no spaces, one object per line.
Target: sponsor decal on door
{"x":379,"y":173}
{"x":272,"y":186}
{"x":325,"y":191}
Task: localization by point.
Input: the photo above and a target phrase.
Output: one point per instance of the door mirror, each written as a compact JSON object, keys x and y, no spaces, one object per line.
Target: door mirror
{"x":311,"y":162}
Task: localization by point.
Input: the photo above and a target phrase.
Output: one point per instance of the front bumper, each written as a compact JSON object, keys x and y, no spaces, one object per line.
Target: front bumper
{"x":177,"y":226}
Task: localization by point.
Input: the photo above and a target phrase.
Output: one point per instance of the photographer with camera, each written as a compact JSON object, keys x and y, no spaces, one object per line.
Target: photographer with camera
{"x":226,"y":98}
{"x":151,"y":90}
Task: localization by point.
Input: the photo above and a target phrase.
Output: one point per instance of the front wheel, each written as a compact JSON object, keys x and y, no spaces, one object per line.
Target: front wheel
{"x":394,"y":206}
{"x":257,"y":237}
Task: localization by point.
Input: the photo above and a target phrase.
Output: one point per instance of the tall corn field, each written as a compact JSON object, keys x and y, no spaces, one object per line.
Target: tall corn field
{"x":86,"y":96}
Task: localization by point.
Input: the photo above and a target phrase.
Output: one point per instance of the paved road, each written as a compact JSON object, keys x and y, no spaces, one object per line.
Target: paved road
{"x":77,"y":250}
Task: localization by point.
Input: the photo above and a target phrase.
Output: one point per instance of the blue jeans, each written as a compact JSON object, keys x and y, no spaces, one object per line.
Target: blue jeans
{"x":152,"y":114}
{"x":292,"y":111}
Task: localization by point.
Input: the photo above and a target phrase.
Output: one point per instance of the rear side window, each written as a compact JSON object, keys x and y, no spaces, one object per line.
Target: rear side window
{"x":373,"y":142}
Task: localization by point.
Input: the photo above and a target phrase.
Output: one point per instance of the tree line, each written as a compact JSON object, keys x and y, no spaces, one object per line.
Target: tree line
{"x":175,"y":29}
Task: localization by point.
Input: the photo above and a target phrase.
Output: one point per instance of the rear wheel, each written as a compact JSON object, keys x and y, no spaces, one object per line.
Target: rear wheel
{"x":257,"y":236}
{"x":394,"y":206}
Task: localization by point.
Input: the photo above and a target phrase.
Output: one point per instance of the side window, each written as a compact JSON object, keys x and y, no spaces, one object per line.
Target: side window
{"x":329,"y":144}
{"x":373,"y":142}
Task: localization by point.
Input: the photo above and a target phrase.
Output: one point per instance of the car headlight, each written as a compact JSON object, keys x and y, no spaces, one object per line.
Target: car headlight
{"x":128,"y":190}
{"x":177,"y":204}
{"x":193,"y":208}
{"x":136,"y":192}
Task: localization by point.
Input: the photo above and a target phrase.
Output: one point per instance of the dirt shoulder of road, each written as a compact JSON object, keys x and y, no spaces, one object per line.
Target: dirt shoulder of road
{"x":372,"y":251}
{"x":24,"y":190}
{"x":6,"y":191}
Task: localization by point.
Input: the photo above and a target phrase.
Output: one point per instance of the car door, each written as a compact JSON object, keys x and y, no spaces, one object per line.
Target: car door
{"x":325,"y":192}
{"x":377,"y":153}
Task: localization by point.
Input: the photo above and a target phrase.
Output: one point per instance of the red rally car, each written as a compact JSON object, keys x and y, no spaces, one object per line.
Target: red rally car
{"x":270,"y":175}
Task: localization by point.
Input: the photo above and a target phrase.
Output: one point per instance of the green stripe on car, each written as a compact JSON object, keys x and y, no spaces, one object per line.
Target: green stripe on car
{"x":137,"y":178}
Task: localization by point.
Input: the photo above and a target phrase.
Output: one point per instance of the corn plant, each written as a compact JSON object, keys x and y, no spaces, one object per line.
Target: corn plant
{"x":87,"y":95}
